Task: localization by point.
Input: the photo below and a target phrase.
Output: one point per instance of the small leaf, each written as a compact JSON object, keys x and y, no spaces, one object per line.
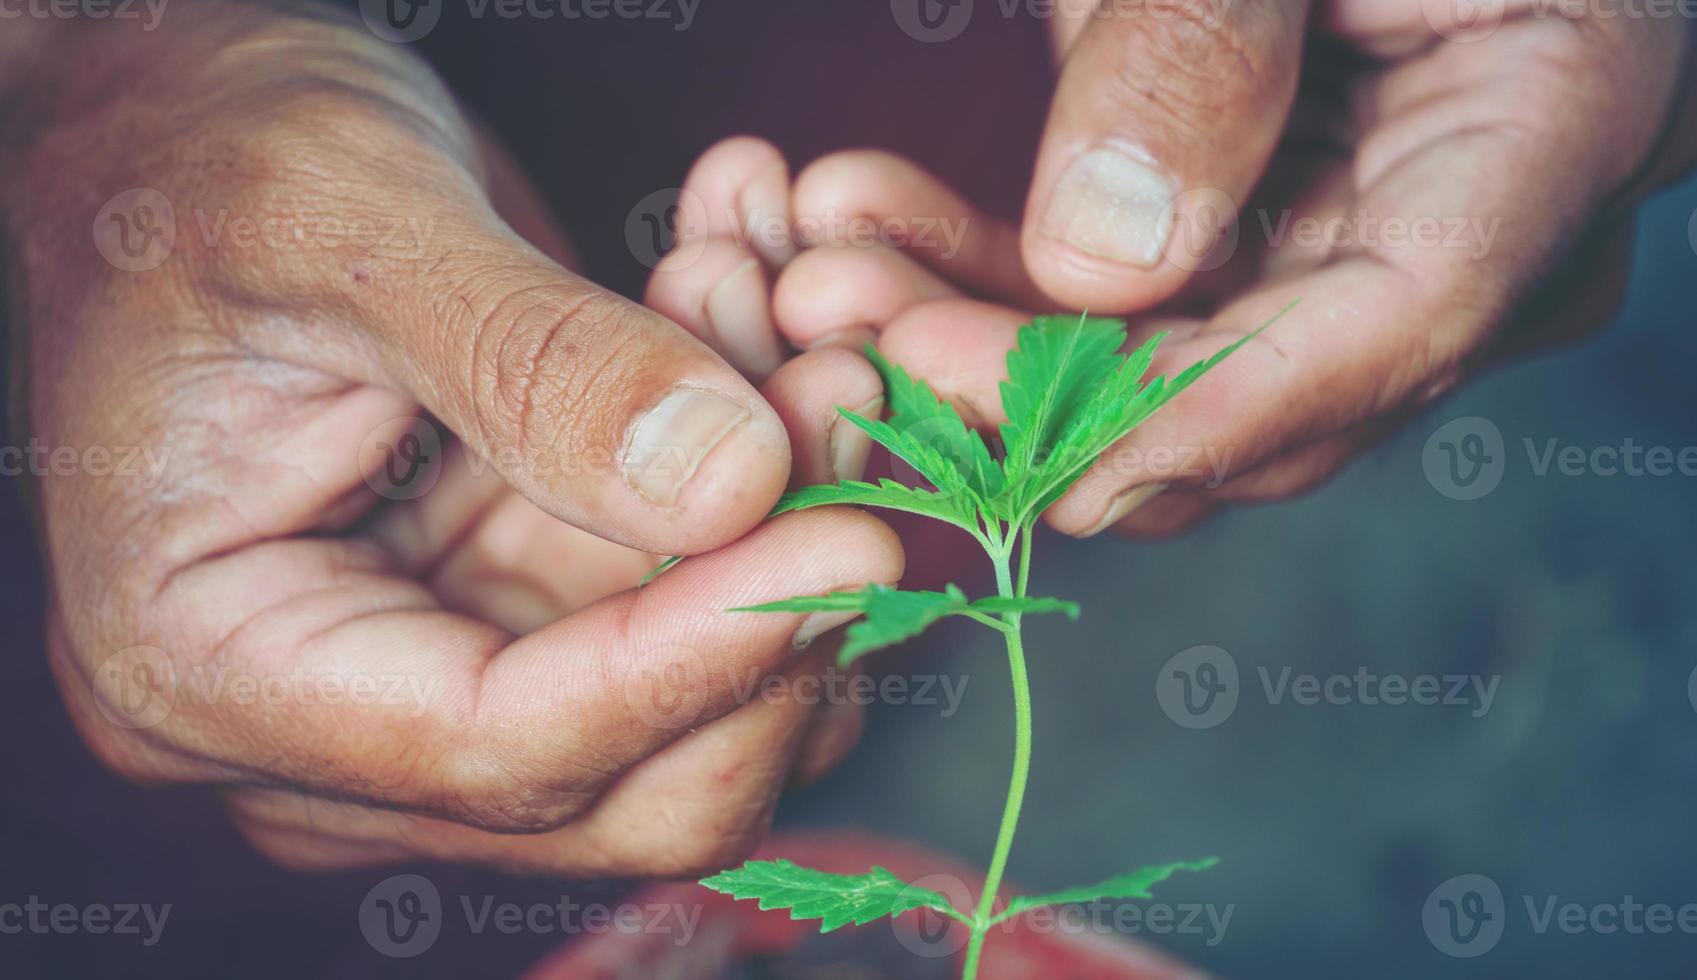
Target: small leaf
{"x":938,"y":470}
{"x":835,"y":899}
{"x":1033,"y":605}
{"x":1127,"y":886}
{"x":917,"y":411}
{"x":887,"y":494}
{"x":659,"y":570}
{"x":1114,"y":409}
{"x":892,"y":615}
{"x":1057,"y":365}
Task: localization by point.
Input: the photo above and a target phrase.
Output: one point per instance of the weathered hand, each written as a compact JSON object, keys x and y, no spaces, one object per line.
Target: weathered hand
{"x":379,"y":647}
{"x":1436,"y":197}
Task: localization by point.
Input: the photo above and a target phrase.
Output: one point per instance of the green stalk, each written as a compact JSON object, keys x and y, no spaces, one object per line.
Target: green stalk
{"x":981,"y":921}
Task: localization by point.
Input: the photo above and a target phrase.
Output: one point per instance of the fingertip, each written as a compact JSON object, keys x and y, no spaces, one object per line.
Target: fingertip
{"x":830,"y":739}
{"x":960,"y":348}
{"x":842,"y":185}
{"x":726,"y":465}
{"x":744,"y":182}
{"x":806,"y":393}
{"x":827,"y":292}
{"x":800,"y":553}
{"x":721,"y":294}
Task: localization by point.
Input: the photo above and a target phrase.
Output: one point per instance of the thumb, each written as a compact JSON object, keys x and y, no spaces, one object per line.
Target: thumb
{"x":601,"y":412}
{"x":1161,"y":125}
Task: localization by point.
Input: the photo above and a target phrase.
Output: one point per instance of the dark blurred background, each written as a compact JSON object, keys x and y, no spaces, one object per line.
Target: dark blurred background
{"x":1335,"y":822}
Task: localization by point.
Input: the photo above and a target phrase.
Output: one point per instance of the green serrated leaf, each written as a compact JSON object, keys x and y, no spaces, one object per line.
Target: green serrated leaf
{"x":834,"y":899}
{"x":937,"y":469}
{"x":1127,"y":886}
{"x":659,"y":569}
{"x":1031,"y":605}
{"x":1114,"y":410}
{"x":1057,"y":365}
{"x":892,"y":615}
{"x":887,"y":494}
{"x":917,"y":411}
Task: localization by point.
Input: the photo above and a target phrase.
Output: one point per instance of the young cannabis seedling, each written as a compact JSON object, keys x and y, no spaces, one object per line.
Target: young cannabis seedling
{"x":1070,"y":395}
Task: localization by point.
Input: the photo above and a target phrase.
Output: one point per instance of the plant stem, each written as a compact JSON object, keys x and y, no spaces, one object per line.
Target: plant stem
{"x":1021,"y":765}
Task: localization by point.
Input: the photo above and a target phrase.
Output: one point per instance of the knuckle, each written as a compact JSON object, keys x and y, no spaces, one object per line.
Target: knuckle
{"x":273,"y":197}
{"x":494,"y":793}
{"x":738,"y":155}
{"x":1200,"y":61}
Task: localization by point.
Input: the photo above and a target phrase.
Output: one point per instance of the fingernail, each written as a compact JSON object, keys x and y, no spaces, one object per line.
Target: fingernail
{"x":849,"y":444}
{"x":1124,"y":504}
{"x":817,"y":625}
{"x":738,"y":311}
{"x":765,"y":206}
{"x":667,"y":445}
{"x":1112,"y":205}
